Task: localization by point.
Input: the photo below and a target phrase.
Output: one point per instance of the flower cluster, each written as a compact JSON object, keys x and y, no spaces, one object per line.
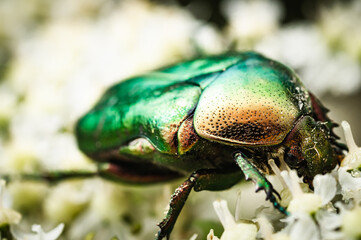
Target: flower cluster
{"x":331,"y":211}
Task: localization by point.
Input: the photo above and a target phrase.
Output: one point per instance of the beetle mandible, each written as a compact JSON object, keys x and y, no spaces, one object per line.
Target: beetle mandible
{"x":217,"y":120}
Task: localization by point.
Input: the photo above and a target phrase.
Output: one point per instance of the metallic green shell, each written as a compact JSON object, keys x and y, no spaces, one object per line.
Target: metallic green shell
{"x":240,"y":98}
{"x":153,"y":106}
{"x":254,"y":102}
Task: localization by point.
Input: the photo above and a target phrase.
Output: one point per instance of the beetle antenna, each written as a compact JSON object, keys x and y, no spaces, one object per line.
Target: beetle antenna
{"x":51,"y":176}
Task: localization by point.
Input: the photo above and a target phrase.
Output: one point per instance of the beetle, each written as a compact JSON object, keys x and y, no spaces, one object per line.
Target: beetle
{"x":217,"y":120}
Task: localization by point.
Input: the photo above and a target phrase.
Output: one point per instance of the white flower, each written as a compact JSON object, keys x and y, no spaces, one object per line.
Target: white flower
{"x":349,"y":175}
{"x":302,"y":227}
{"x":325,"y":190}
{"x":251,"y":20}
{"x":38,"y":234}
{"x":336,"y":23}
{"x":353,"y":157}
{"x":325,"y":71}
{"x":233,"y":230}
{"x":7,"y":216}
{"x":211,"y":236}
{"x":209,"y":40}
{"x":67,"y":200}
{"x":351,"y":223}
{"x":325,"y":187}
{"x":266,"y":230}
{"x":194,"y":237}
{"x":329,"y":222}
{"x":350,"y":185}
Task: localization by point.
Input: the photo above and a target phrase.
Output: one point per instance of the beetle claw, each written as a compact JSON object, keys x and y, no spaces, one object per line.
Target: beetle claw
{"x":252,"y":173}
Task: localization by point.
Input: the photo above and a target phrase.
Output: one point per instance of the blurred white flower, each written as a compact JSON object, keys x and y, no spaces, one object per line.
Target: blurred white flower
{"x":7,"y":215}
{"x":251,"y":20}
{"x":38,"y":234}
{"x":194,"y":237}
{"x":208,"y":40}
{"x":28,"y":196}
{"x":7,"y":103}
{"x":233,"y":230}
{"x":67,"y":200}
{"x":351,"y":222}
{"x":303,"y":48}
{"x":337,"y":24}
{"x":20,"y":156}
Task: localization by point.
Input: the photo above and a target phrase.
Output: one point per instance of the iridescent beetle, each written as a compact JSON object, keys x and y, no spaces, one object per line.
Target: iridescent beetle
{"x":215,"y":119}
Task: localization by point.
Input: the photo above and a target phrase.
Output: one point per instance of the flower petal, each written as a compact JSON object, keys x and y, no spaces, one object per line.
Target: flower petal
{"x":305,"y":203}
{"x":242,"y":231}
{"x":39,"y":233}
{"x":350,"y":186}
{"x":353,"y":157}
{"x":329,"y":222}
{"x":325,"y":187}
{"x":211,"y":236}
{"x":224,"y":214}
{"x":304,"y":228}
{"x":292,"y":181}
{"x":351,"y":223}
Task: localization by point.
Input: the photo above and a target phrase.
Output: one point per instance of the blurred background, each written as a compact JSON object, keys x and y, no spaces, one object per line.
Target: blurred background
{"x":57,"y":57}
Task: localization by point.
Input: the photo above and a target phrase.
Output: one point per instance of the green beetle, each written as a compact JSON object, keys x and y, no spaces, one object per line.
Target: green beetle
{"x":208,"y":119}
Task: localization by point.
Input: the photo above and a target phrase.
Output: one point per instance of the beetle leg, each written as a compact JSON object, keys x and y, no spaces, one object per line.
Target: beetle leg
{"x":251,"y":173}
{"x":176,"y":204}
{"x":205,"y":179}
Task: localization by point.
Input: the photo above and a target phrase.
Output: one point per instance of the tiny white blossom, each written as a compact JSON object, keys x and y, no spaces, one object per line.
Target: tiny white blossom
{"x":329,"y":222}
{"x":233,"y":230}
{"x":351,"y":223}
{"x":325,"y":187}
{"x":303,"y":227}
{"x":38,"y":234}
{"x":349,"y":174}
{"x":353,"y":157}
{"x":325,"y":190}
{"x":266,"y":231}
{"x":350,"y":185}
{"x":211,"y":236}
{"x":194,"y":237}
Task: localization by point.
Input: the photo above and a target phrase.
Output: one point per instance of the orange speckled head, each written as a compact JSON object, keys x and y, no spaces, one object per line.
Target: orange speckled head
{"x":253,"y":103}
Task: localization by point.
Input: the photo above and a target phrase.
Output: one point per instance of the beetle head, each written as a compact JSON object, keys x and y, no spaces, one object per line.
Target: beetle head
{"x":310,"y":149}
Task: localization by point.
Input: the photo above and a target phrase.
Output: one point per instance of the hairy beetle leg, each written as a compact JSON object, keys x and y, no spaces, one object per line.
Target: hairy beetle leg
{"x":251,"y":173}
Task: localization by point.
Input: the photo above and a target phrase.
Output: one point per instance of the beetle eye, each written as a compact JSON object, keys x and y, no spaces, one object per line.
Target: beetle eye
{"x":292,"y":157}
